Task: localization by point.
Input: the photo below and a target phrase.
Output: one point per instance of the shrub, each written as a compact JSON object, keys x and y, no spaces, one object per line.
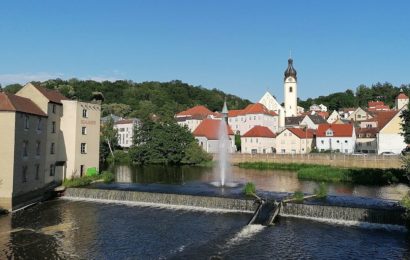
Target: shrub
{"x":298,"y":196}
{"x":321,"y":191}
{"x":249,"y":189}
{"x":194,"y":154}
{"x":405,"y":202}
{"x":107,"y":177}
{"x":120,"y":157}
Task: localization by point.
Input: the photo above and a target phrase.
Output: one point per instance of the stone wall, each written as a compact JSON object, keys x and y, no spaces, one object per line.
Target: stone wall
{"x":340,"y":160}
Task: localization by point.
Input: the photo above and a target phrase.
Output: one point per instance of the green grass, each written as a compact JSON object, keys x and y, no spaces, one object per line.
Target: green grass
{"x":105,"y":176}
{"x":325,"y":173}
{"x":321,"y":191}
{"x":249,"y":189}
{"x":298,"y":196}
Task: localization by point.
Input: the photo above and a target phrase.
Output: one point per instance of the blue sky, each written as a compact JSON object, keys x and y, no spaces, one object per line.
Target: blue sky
{"x":240,"y":47}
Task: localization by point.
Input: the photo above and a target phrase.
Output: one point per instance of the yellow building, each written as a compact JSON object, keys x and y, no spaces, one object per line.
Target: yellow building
{"x":45,"y":135}
{"x":22,"y":149}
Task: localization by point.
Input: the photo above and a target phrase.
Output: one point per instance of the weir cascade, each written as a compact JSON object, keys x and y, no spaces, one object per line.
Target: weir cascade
{"x":264,"y":213}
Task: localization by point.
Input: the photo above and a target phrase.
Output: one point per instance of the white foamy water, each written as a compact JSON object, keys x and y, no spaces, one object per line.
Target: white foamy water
{"x":360,"y":224}
{"x":245,"y":233}
{"x":157,"y":205}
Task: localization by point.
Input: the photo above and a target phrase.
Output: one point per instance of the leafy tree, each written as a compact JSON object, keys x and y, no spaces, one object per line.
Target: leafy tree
{"x":194,"y":154}
{"x":164,"y":143}
{"x":116,"y":109}
{"x":238,"y":142}
{"x":13,"y":88}
{"x":109,"y":137}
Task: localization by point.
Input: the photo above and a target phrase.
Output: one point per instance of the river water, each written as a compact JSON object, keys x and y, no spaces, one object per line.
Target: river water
{"x":265,"y":180}
{"x":64,"y":229}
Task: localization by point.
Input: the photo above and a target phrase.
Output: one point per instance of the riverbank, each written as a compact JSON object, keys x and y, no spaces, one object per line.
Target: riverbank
{"x":325,"y":173}
{"x":333,"y":159}
{"x":105,"y":177}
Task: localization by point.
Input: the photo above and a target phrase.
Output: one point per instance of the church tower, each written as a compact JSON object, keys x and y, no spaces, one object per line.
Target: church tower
{"x":290,"y":90}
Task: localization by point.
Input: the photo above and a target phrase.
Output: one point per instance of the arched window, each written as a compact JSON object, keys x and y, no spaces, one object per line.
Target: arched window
{"x":290,"y":89}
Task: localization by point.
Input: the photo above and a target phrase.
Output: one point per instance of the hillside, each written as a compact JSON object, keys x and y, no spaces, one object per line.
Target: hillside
{"x":127,"y":98}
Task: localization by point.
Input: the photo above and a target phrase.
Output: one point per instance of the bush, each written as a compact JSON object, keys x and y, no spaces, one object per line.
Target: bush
{"x":120,"y":157}
{"x":321,"y":191}
{"x":105,"y":176}
{"x":249,"y":189}
{"x":194,"y":154}
{"x":298,"y":196}
{"x":405,"y":202}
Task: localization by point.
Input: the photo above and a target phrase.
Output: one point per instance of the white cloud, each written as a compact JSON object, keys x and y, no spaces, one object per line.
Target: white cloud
{"x":23,"y":78}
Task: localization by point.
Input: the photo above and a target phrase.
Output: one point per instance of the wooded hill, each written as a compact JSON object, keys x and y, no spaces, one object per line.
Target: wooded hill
{"x":127,"y":98}
{"x":130,"y":99}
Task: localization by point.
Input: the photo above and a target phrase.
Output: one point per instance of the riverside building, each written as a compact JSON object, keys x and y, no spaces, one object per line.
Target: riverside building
{"x":45,"y":138}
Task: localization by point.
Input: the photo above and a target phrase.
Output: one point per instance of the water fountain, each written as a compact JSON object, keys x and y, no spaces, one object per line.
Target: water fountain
{"x":224,"y":149}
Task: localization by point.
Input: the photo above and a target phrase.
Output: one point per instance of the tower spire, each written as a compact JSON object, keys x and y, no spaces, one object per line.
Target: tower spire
{"x":290,"y":71}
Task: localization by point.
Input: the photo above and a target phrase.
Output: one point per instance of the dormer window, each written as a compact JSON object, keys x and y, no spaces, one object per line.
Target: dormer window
{"x":329,"y":132}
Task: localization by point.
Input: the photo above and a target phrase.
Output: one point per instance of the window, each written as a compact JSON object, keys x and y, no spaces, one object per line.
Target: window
{"x":26,"y":122}
{"x":24,"y":174}
{"x":37,"y":171}
{"x":52,"y":148}
{"x":38,"y":148}
{"x":39,"y":124}
{"x":85,"y":113}
{"x":83,"y":148}
{"x":122,"y":129}
{"x":338,"y":141}
{"x":322,"y":142}
{"x":81,"y":170}
{"x":329,"y":133}
{"x":25,"y":149}
{"x":290,"y":89}
{"x":53,"y":127}
{"x":83,"y":130}
{"x":345,"y":141}
{"x":52,"y":169}
{"x":54,"y":108}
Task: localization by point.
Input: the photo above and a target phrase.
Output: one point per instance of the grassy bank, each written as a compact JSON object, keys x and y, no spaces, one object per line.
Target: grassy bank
{"x":325,"y":173}
{"x":105,"y":176}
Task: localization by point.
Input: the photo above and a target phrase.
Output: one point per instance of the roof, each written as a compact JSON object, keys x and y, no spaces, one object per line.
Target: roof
{"x":260,"y":131}
{"x":199,"y":112}
{"x":234,"y":113}
{"x":290,"y":71}
{"x":301,"y":133}
{"x":339,"y":130}
{"x":367,"y":132}
{"x":317,"y":119}
{"x":11,"y":102}
{"x":384,"y":117}
{"x":402,"y":96}
{"x":109,"y":117}
{"x":257,"y":108}
{"x":209,"y":128}
{"x":51,"y":94}
{"x":293,"y":120}
{"x":126,"y":121}
{"x":375,"y":103}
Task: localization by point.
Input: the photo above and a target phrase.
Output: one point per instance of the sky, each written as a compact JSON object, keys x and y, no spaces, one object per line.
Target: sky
{"x":240,"y":47}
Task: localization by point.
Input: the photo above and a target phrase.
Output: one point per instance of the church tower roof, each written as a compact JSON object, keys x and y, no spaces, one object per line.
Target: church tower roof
{"x":290,"y":71}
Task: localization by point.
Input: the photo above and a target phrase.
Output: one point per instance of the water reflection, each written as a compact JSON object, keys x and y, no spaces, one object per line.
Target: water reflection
{"x":266,"y":180}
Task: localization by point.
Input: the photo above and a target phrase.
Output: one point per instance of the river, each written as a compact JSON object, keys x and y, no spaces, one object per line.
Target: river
{"x":265,"y":180}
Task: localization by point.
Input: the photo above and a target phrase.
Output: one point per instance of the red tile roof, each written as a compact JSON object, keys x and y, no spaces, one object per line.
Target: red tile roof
{"x":384,"y":117}
{"x":339,"y":130}
{"x":209,"y":128}
{"x":260,"y":131}
{"x":52,"y":95}
{"x":11,"y":102}
{"x":234,"y":113}
{"x":402,"y":96}
{"x":301,"y":133}
{"x":375,"y":103}
{"x":257,"y":108}
{"x":199,"y":112}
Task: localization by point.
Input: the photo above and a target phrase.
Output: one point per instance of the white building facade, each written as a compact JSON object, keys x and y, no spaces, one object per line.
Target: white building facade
{"x":125,"y":131}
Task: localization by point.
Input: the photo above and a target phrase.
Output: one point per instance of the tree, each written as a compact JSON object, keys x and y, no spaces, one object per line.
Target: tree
{"x":164,"y":143}
{"x":108,"y":139}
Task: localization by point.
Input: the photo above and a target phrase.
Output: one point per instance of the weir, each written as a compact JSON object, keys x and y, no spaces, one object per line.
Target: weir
{"x":264,"y":212}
